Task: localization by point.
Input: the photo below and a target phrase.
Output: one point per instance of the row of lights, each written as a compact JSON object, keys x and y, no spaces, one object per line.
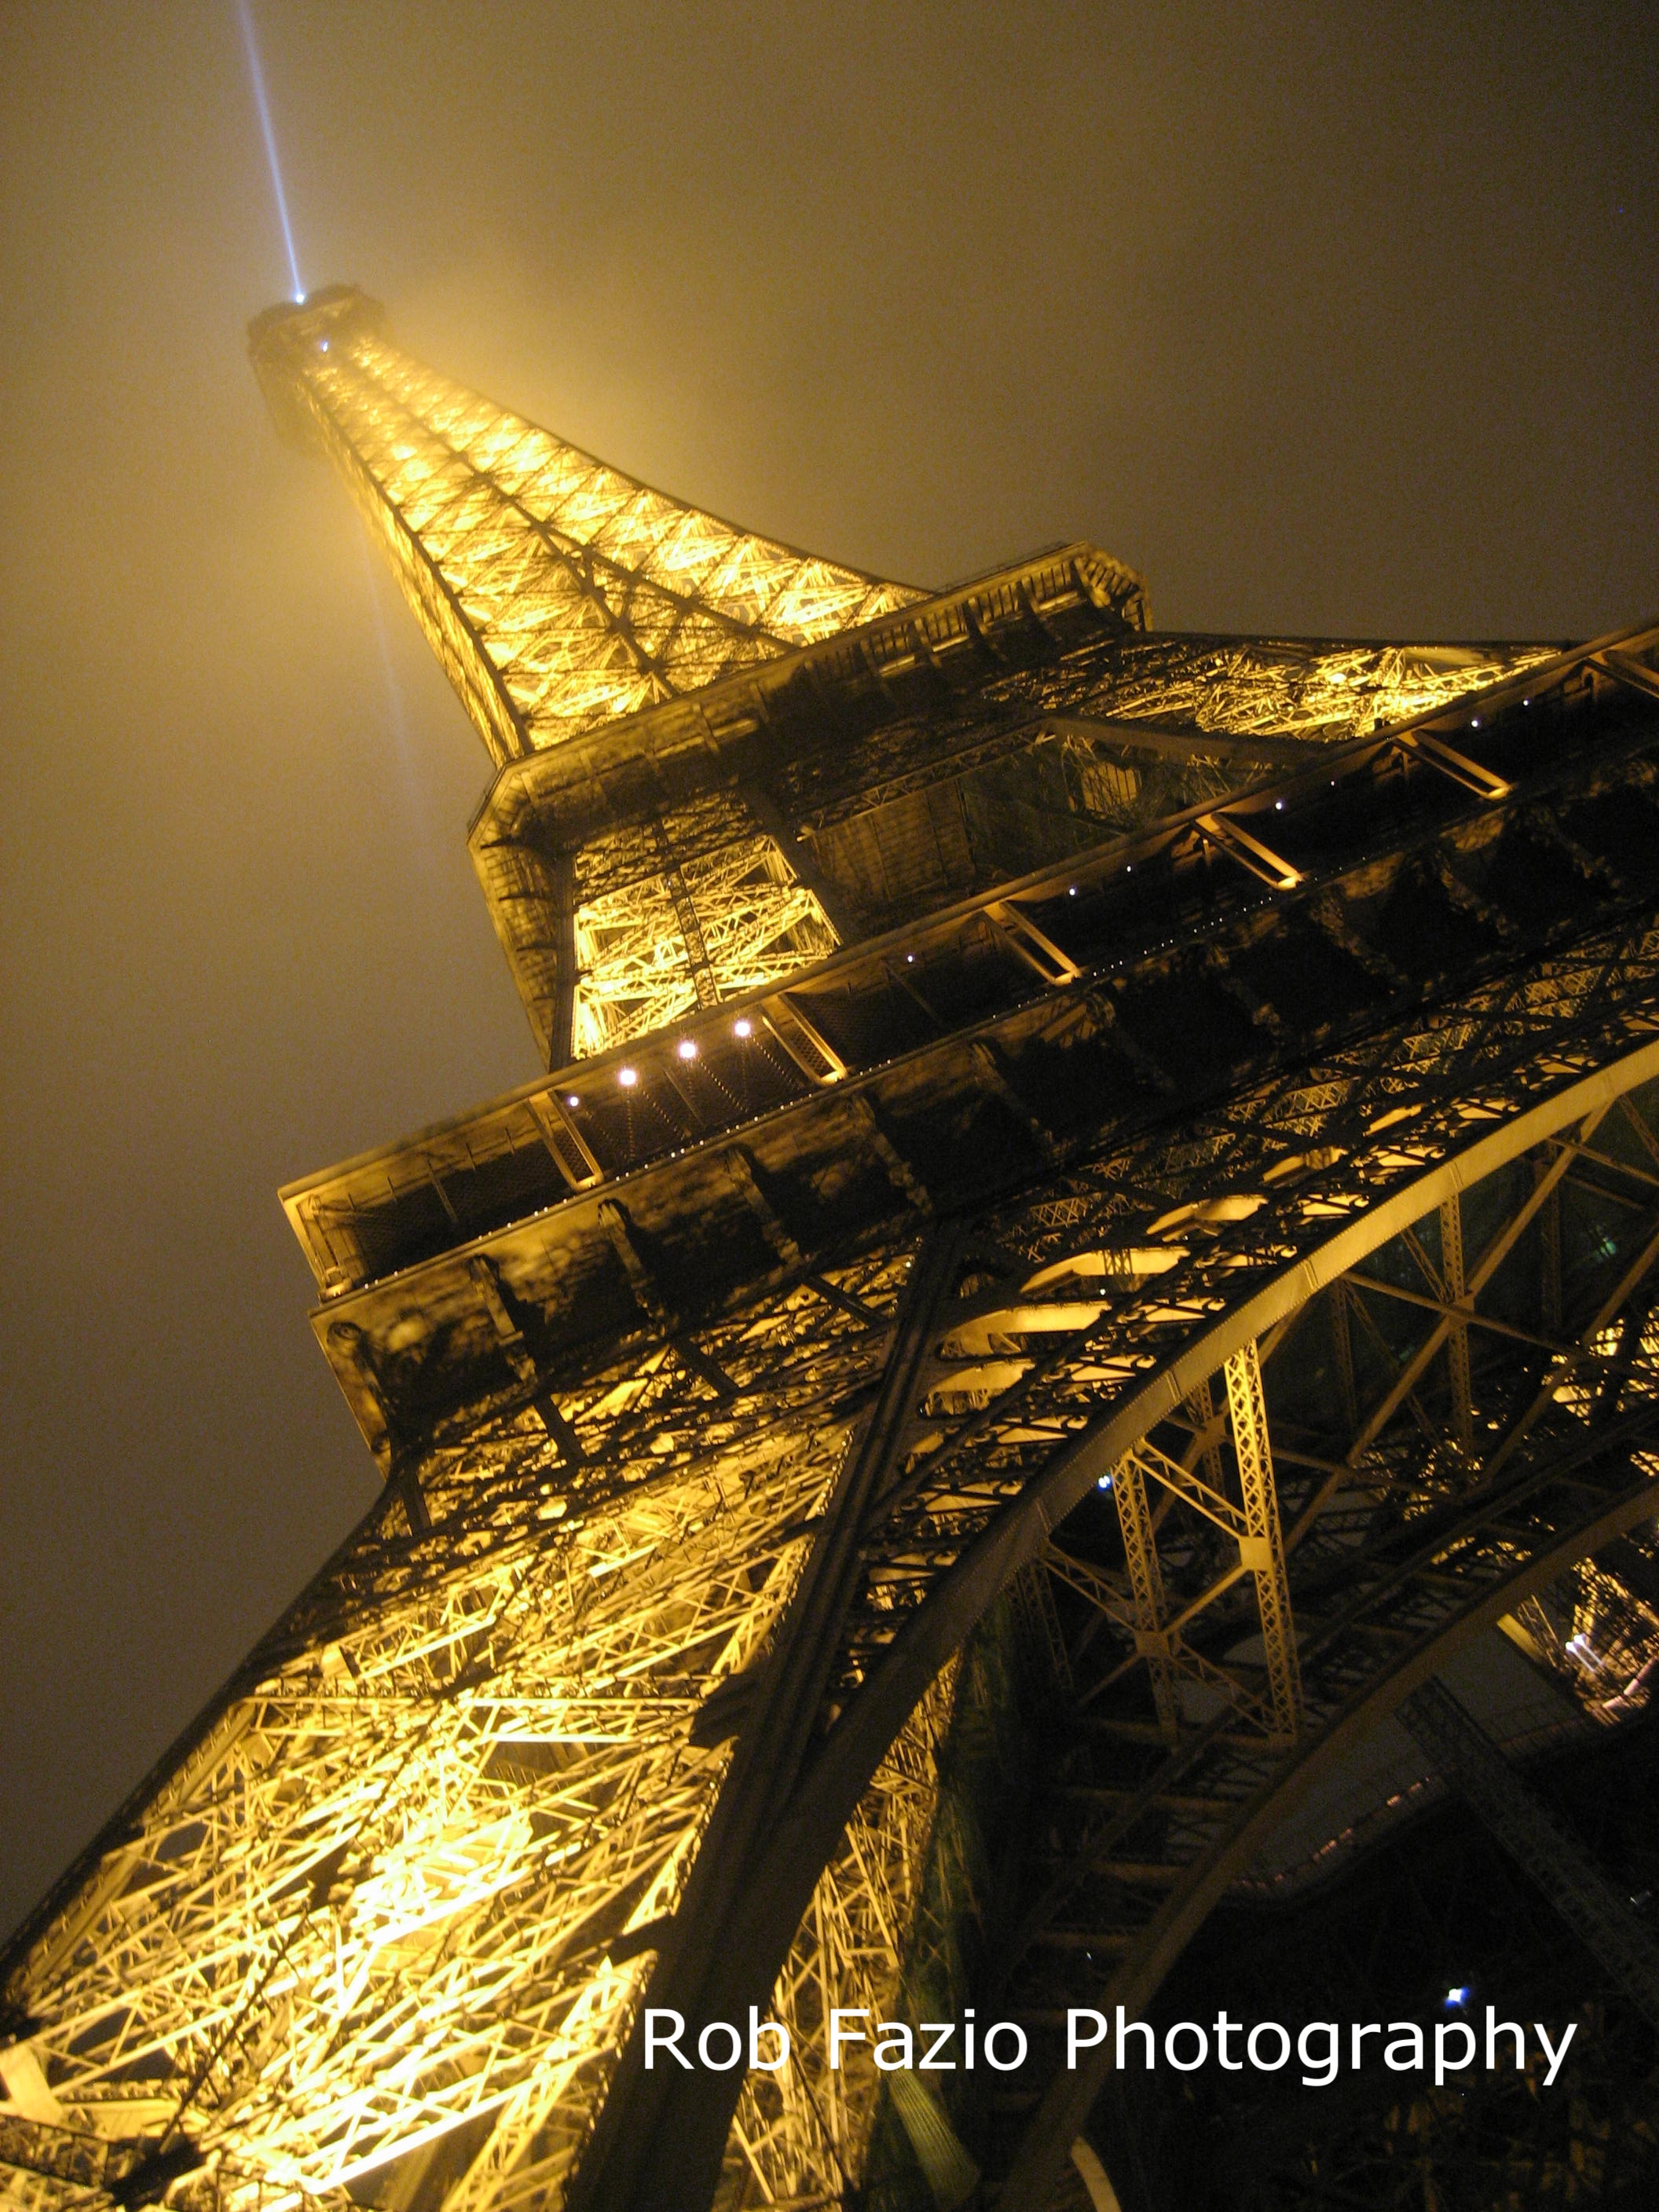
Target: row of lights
{"x":743,"y":1027}
{"x":628,"y":1077}
{"x":687,"y":1049}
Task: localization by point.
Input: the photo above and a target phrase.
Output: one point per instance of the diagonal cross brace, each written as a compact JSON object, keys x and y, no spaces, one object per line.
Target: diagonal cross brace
{"x":661,"y":2134}
{"x":1558,"y":1863}
{"x":1262,"y":1547}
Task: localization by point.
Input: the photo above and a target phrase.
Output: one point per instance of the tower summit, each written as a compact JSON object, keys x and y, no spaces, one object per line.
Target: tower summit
{"x":1091,"y":1220}
{"x":557,"y":592}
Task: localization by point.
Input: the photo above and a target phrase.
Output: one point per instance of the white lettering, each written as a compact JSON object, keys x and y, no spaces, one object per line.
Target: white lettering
{"x":1186,"y":2027}
{"x":758,"y":2028}
{"x":1074,"y":2042}
{"x":721,"y":2065}
{"x":1404,"y":2035}
{"x":654,"y":2043}
{"x":1125,"y":2029}
{"x":1444,"y":2030}
{"x":1330,"y":2057}
{"x":1554,"y":2056}
{"x":1495,"y":2028}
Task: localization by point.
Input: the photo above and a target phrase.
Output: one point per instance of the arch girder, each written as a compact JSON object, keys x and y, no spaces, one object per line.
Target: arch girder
{"x":1302,"y":1178}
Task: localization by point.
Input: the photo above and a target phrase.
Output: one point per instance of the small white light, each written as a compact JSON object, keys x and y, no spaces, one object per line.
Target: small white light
{"x":627,"y":1077}
{"x":571,"y":1099}
{"x":1105,"y":1482}
{"x":1475,"y":724}
{"x":909,"y":959}
{"x":688,"y":1050}
{"x":1073,"y":892}
{"x":1458,"y":1996}
{"x":743,"y":1027}
{"x":1278,"y":807}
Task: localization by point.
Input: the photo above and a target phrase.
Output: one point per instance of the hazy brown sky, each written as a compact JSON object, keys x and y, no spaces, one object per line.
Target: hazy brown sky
{"x":1329,"y":317}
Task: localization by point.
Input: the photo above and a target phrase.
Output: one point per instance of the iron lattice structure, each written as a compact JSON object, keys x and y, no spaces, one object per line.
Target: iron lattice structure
{"x":1150,"y":1138}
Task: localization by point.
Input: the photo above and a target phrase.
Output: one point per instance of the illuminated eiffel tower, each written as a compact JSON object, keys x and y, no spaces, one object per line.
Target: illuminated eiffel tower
{"x":1095,"y":1184}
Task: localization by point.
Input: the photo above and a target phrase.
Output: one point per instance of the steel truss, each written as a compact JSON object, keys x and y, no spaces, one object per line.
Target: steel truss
{"x":556,"y":591}
{"x":1592,"y":1907}
{"x":389,"y":1895}
{"x":1400,"y":1542}
{"x":646,"y":955}
{"x":563,"y":598}
{"x":984,"y":1499}
{"x":714,"y":1434}
{"x":382,"y":1902}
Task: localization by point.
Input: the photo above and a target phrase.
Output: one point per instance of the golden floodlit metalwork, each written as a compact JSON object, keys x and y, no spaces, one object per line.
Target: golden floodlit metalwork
{"x":1073,"y":1155}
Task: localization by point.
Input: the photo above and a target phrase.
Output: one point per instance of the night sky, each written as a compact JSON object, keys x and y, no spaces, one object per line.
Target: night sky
{"x":1330,"y":319}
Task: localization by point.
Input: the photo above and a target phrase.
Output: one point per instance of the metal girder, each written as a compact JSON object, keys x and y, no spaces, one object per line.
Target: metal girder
{"x":550,"y":584}
{"x":598,"y":1601}
{"x":1457,"y":1339}
{"x":1140,"y":1554}
{"x":1490,"y":1260}
{"x":641,"y":978}
{"x":1257,"y":860}
{"x":373,"y":1789}
{"x":1098,"y":1860}
{"x":1046,"y":2144}
{"x":1384,"y":1650}
{"x":1261,"y":1548}
{"x":662,"y":2133}
{"x":693,"y":936}
{"x":636,"y":1107}
{"x":1596,"y":1911}
{"x":571,"y":1151}
{"x":706,"y":1447}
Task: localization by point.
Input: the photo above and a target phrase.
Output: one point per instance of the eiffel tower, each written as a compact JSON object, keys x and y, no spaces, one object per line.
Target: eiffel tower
{"x":1092,"y":1222}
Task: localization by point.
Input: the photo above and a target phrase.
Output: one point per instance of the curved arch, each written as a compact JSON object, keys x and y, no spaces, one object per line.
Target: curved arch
{"x":1065,"y":2108}
{"x":672,"y":2125}
{"x":1017,"y":1536}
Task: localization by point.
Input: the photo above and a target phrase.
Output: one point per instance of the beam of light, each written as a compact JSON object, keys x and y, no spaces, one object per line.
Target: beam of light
{"x":258,"y":77}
